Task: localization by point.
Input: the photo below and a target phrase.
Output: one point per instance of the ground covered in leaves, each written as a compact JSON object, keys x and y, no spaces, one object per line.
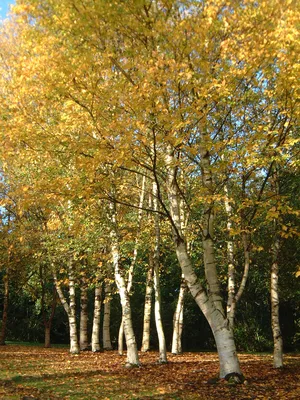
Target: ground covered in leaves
{"x":29,"y":372}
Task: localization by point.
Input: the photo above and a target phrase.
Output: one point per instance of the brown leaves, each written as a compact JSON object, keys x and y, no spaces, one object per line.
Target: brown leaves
{"x":54,"y":373}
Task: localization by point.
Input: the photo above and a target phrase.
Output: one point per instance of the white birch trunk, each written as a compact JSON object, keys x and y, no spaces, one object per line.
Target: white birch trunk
{"x":106,"y":318}
{"x":213,"y":286}
{"x":211,"y":304}
{"x":228,"y":359}
{"x":96,"y":320}
{"x":233,"y":297}
{"x":83,"y":332}
{"x":133,"y":262}
{"x":132,"y":353}
{"x":230,"y":258}
{"x":147,"y":308}
{"x":70,"y":309}
{"x":246,"y":245}
{"x":121,"y":337}
{"x":180,"y":328}
{"x":74,"y":347}
{"x":277,"y":337}
{"x":178,"y":320}
{"x":157,"y":294}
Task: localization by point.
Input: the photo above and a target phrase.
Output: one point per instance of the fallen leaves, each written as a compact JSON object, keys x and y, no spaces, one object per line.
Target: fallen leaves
{"x":55,"y":374}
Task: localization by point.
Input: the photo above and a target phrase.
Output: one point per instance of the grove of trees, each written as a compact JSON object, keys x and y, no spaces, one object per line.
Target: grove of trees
{"x":149,"y":154}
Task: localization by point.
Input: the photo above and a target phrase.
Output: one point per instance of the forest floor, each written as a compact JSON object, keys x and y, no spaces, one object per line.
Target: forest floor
{"x":32,"y":372}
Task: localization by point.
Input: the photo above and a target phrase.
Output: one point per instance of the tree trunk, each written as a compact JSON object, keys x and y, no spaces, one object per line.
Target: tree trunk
{"x":147,"y":307}
{"x":277,"y":337}
{"x":121,"y":338}
{"x":178,"y":320}
{"x":211,"y":303}
{"x":74,"y":347}
{"x":157,"y":294}
{"x":70,"y":309}
{"x":83,"y":333}
{"x":230,"y":259}
{"x":106,"y":318}
{"x":231,"y":308}
{"x":48,"y":321}
{"x":5,"y":310}
{"x":180,"y":328}
{"x":133,"y":262}
{"x":47,"y":335}
{"x":96,"y":320}
{"x":132,"y":353}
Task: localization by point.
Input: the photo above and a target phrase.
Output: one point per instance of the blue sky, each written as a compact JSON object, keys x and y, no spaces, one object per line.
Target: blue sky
{"x":4,"y":7}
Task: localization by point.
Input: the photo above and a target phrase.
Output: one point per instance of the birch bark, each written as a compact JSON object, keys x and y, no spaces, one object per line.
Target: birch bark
{"x":157,"y":293}
{"x":211,"y":302}
{"x":83,"y":333}
{"x":277,"y":337}
{"x":106,"y":318}
{"x":132,"y":353}
{"x":96,"y":319}
{"x":133,"y":261}
{"x":233,"y":296}
{"x":178,"y":319}
{"x":69,"y":308}
{"x":147,"y":307}
{"x":230,"y":258}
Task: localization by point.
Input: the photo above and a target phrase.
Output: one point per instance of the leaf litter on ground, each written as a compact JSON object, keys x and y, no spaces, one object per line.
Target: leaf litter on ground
{"x":38,"y":373}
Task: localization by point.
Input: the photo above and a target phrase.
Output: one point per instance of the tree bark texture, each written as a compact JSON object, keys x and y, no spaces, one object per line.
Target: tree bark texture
{"x":70,"y":309}
{"x":178,"y":319}
{"x":277,"y":337}
{"x":83,"y":332}
{"x":157,"y":292}
{"x":48,"y":321}
{"x":210,"y":303}
{"x":132,"y":353}
{"x":148,"y":307}
{"x":106,"y":318}
{"x":96,"y":319}
{"x":133,"y":262}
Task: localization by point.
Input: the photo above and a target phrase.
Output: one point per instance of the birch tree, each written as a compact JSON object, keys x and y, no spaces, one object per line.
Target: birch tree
{"x":83,"y":332}
{"x":178,"y":319}
{"x":147,"y":306}
{"x":132,"y":353}
{"x":151,"y":87}
{"x":70,"y":308}
{"x":106,"y":317}
{"x":95,"y":342}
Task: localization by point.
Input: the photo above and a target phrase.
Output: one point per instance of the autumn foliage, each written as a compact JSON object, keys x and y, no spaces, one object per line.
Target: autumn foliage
{"x":135,"y":128}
